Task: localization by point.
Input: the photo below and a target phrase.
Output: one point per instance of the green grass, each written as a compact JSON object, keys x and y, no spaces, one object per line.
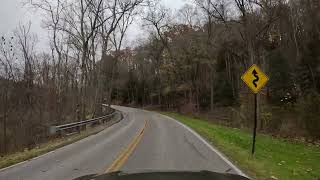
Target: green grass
{"x":17,"y":157}
{"x":279,"y":158}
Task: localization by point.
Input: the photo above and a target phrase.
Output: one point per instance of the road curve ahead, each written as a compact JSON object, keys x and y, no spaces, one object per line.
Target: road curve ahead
{"x":142,"y":141}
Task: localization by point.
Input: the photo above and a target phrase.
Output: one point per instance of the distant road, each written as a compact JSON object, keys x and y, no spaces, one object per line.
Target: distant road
{"x":141,"y":141}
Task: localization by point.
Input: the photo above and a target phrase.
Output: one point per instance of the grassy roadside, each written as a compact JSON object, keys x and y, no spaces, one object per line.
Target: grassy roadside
{"x":274,"y":158}
{"x":15,"y":158}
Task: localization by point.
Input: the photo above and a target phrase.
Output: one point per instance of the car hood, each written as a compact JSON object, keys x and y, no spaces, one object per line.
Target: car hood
{"x":182,"y":175}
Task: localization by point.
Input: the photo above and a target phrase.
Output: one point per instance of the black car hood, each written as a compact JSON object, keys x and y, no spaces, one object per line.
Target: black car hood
{"x":202,"y":175}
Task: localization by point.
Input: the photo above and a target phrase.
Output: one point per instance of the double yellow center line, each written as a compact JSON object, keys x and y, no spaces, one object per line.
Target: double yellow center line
{"x":124,"y":155}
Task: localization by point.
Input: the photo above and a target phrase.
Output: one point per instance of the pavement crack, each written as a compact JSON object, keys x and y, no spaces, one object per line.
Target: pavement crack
{"x":228,"y":170}
{"x":194,"y":147}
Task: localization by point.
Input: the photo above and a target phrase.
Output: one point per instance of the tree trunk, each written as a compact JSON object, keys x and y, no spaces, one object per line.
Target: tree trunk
{"x":190,"y":96}
{"x":159,"y":92}
{"x":211,"y":98}
{"x":5,"y":122}
{"x":197,"y":98}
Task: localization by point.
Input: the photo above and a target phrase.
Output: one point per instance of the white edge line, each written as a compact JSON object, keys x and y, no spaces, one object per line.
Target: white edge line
{"x":13,"y":165}
{"x":37,"y":157}
{"x":41,"y":155}
{"x":223,"y":157}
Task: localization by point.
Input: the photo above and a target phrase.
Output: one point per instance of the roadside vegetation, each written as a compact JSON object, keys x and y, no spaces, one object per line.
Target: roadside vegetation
{"x":275,"y":158}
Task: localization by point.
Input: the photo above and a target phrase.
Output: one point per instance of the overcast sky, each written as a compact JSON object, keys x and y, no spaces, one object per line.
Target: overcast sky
{"x":12,"y":13}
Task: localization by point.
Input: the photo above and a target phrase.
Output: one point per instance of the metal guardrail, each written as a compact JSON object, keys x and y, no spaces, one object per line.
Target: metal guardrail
{"x":76,"y":126}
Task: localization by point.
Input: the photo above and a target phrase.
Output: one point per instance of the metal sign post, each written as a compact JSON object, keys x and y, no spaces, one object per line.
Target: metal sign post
{"x":255,"y":122}
{"x":255,"y":79}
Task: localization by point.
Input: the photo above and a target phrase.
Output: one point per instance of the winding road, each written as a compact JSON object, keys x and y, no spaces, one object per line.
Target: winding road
{"x":142,"y":141}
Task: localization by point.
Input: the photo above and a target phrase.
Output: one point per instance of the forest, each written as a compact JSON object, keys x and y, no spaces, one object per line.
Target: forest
{"x":189,"y":60}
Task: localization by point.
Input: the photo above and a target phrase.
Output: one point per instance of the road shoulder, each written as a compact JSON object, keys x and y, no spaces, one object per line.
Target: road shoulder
{"x":43,"y":149}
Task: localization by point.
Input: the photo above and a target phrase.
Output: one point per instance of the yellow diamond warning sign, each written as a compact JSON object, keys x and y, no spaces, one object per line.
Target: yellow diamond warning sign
{"x":255,"y":78}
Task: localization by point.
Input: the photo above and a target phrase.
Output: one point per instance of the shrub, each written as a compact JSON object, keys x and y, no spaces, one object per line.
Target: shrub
{"x":309,"y":110}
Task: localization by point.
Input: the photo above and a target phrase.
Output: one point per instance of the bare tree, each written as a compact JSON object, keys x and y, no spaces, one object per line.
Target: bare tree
{"x":117,"y":38}
{"x":189,"y":15}
{"x":214,"y":12}
{"x":157,"y":17}
{"x":118,"y":16}
{"x":7,"y":75}
{"x":53,"y":11}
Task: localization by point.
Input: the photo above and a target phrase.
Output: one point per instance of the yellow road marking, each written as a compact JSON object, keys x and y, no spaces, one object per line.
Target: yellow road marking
{"x":124,"y":155}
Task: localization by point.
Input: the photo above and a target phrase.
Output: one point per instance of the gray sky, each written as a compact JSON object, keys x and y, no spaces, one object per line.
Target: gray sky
{"x":12,"y":13}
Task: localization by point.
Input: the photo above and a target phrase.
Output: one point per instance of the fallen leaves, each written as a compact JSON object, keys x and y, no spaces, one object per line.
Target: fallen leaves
{"x":273,"y":177}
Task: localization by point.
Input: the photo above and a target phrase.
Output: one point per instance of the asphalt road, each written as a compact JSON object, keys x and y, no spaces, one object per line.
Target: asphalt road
{"x":165,"y":145}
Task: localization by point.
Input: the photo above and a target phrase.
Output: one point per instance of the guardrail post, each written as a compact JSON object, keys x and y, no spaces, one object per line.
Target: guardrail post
{"x":77,"y":129}
{"x":84,"y":127}
{"x":52,"y":130}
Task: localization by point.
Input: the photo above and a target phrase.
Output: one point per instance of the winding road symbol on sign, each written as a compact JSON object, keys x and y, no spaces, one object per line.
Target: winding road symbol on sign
{"x":255,"y":78}
{"x":255,"y":74}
